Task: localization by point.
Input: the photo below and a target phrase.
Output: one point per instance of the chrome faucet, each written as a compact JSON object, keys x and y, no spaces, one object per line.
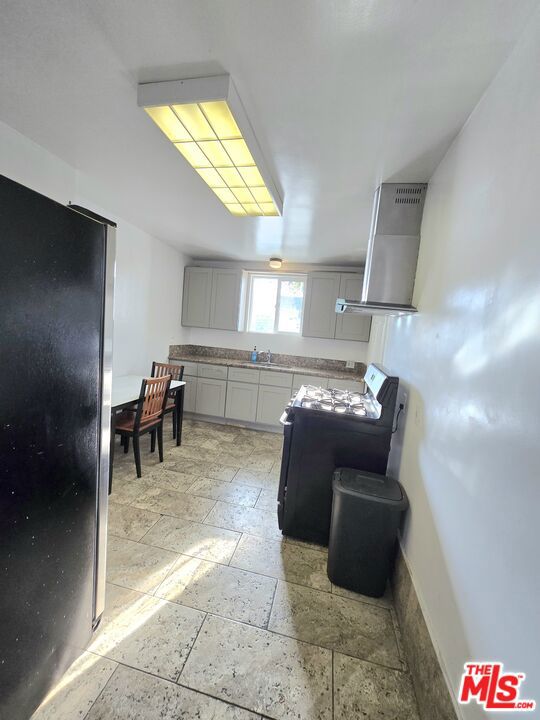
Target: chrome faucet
{"x":268,"y":357}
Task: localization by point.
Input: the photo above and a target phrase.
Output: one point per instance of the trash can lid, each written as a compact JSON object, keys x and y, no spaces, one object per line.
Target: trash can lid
{"x":359,"y":482}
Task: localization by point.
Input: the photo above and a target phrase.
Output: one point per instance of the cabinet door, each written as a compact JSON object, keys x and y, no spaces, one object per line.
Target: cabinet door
{"x":350,"y":326}
{"x":271,"y":404}
{"x":225,"y":303}
{"x":196,"y":297}
{"x":320,"y":305}
{"x":241,"y":401}
{"x":190,"y":393}
{"x":211,"y":397}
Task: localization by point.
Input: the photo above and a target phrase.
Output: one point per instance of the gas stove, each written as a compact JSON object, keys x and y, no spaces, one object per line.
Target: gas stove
{"x":341,"y":402}
{"x":324,"y":429}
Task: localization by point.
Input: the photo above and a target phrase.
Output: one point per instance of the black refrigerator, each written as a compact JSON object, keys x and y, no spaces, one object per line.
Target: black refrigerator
{"x":56,"y":290}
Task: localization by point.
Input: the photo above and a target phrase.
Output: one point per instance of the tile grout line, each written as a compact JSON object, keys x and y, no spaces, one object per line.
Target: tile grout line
{"x":272,"y":607}
{"x":103,"y":688}
{"x":190,"y":649}
{"x":332,"y":684}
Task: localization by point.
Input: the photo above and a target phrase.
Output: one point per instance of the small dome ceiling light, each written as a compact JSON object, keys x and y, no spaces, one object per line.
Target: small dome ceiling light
{"x":275,"y":263}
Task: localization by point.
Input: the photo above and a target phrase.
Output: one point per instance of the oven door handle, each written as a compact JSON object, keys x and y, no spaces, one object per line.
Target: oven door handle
{"x":283,"y":419}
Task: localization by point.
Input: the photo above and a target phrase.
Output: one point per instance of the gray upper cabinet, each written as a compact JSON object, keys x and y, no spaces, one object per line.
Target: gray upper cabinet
{"x":211,"y":297}
{"x":197,"y":297}
{"x":320,"y":305}
{"x":225,"y":302}
{"x":351,"y":326}
{"x":320,"y":318}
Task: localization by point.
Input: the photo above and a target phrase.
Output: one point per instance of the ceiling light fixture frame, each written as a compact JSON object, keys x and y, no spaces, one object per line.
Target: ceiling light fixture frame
{"x":208,"y":89}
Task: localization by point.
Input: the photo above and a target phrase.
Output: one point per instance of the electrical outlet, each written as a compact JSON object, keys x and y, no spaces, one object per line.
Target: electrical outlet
{"x":350,"y":364}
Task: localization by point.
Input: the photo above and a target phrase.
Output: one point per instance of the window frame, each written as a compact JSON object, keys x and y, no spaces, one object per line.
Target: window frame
{"x":299,"y":277}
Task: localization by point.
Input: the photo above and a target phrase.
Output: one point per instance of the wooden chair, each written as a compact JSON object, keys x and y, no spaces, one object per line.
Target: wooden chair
{"x":147,"y":418}
{"x":177,"y":373}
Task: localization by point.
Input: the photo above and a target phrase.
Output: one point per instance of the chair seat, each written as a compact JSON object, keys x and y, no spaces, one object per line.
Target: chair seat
{"x":126,"y":420}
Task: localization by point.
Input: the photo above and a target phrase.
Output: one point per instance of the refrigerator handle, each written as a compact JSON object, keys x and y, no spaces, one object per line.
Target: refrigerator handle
{"x":105,"y":435}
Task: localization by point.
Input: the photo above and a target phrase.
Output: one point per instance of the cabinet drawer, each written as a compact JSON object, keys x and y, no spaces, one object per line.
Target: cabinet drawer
{"x":190,"y":368}
{"x":210,"y":398}
{"x":241,"y":401}
{"x":352,"y":385}
{"x":276,"y":379}
{"x":244,"y":375}
{"x":299,"y":380}
{"x":217,"y":372}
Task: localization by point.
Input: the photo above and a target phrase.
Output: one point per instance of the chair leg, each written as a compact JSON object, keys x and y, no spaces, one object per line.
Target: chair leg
{"x":153,"y":441}
{"x":160,"y":440}
{"x":174,"y":423}
{"x":137,"y":453}
{"x":125,"y":440}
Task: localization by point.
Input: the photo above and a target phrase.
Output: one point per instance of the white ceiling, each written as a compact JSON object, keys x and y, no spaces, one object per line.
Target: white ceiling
{"x":342,"y":94}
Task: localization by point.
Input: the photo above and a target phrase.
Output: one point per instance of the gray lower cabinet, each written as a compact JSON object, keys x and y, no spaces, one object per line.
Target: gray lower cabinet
{"x":210,"y":398}
{"x":190,"y":393}
{"x":272,"y":402}
{"x":350,"y":326}
{"x":241,"y":401}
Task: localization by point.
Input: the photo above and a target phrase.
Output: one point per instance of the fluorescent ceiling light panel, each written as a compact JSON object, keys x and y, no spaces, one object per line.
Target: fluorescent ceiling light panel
{"x":206,"y":122}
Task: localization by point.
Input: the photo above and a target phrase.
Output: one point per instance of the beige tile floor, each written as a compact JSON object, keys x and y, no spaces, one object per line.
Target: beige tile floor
{"x":212,"y":615}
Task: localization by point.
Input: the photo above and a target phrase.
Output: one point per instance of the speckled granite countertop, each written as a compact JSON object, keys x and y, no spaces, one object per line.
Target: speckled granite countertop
{"x":318,"y":367}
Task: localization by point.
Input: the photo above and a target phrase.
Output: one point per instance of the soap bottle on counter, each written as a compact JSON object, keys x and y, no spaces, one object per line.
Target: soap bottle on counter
{"x":254,"y":354}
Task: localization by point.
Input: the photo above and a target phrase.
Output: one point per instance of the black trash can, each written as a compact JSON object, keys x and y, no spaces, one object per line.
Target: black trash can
{"x":366,"y":512}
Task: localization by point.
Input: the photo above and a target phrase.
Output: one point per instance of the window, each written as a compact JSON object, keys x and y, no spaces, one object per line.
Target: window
{"x":275,"y":303}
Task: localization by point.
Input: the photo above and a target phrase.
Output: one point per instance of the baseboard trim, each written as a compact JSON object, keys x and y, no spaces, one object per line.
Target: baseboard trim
{"x":277,"y":429}
{"x":435,"y":699}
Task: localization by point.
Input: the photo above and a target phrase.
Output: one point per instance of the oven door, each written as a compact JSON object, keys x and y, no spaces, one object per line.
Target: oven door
{"x":287,"y":421}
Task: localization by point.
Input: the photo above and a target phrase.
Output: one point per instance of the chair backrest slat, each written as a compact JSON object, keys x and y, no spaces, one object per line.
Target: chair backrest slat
{"x":153,"y":398}
{"x":160,"y":369}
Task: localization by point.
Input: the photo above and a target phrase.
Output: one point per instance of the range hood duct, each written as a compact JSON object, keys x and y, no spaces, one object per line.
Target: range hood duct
{"x":392,"y":254}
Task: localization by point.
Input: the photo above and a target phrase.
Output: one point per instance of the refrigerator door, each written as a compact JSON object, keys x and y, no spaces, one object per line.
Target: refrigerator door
{"x":52,"y":315}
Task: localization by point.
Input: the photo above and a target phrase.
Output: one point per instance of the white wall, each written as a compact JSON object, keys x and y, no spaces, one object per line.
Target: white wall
{"x":470,"y":455}
{"x":149,"y":273}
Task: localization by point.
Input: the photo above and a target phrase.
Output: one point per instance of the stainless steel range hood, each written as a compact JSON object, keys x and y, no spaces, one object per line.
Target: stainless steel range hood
{"x":392,"y":253}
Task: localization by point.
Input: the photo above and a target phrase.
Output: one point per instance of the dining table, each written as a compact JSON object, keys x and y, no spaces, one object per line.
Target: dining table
{"x":126,"y":390}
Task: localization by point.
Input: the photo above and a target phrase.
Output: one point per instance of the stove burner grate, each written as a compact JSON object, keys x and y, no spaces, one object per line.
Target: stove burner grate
{"x":333,"y":400}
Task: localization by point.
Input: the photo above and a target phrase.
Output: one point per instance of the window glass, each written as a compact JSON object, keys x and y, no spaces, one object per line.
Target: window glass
{"x":263,"y":304}
{"x":275,"y":303}
{"x":291,"y":300}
